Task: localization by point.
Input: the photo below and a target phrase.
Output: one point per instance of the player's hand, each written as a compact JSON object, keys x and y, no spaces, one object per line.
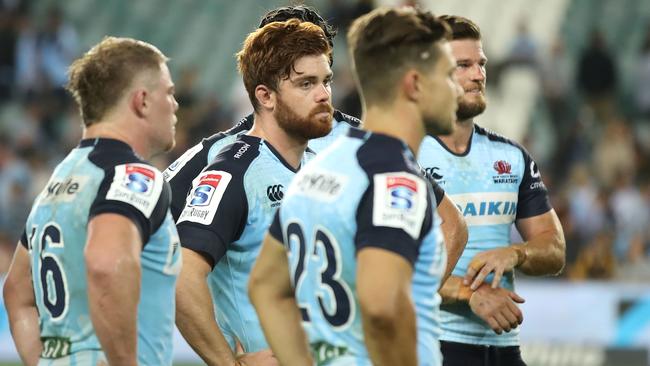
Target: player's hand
{"x":496,"y":260}
{"x":260,"y":358}
{"x":496,"y":306}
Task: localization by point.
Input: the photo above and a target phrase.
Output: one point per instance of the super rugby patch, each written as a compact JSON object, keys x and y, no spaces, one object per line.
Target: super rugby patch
{"x":400,"y":201}
{"x":139,"y":185}
{"x":204,"y":198}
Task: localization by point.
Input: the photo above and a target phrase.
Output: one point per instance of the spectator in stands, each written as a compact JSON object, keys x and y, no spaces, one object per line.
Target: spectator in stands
{"x":597,"y":76}
{"x":58,"y":46}
{"x":586,"y":206}
{"x":524,"y":48}
{"x":10,"y":13}
{"x":27,"y":73}
{"x":8,"y":38}
{"x":596,"y":260}
{"x":631,"y":217}
{"x":556,"y":73}
{"x":15,"y":179}
{"x":642,"y":77}
{"x":522,"y":52}
{"x":614,"y":152}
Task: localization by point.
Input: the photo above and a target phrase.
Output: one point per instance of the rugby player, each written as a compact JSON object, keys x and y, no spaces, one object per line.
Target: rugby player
{"x":352,"y":253}
{"x":495,"y":183}
{"x":286,"y":71}
{"x":93,"y":277}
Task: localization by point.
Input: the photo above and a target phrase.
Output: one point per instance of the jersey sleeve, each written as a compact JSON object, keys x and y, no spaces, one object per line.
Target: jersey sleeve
{"x":533,"y":196}
{"x":181,"y":173}
{"x":394,"y":214}
{"x":275,"y":230}
{"x":137,"y":191}
{"x":438,"y":191}
{"x":23,"y":239}
{"x":215,"y":212}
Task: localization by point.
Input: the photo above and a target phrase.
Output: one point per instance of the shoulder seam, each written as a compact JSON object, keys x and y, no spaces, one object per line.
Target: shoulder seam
{"x":238,"y":155}
{"x":494,"y":136}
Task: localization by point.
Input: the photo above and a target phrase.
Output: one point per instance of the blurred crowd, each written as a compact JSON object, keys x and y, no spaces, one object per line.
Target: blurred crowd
{"x":597,"y":170}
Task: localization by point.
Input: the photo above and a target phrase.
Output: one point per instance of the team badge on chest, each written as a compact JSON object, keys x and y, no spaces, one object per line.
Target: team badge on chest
{"x":504,"y":173}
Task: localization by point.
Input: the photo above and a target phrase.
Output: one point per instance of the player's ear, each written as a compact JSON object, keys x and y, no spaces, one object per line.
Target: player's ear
{"x":265,"y":96}
{"x":139,"y":103}
{"x":411,"y":85}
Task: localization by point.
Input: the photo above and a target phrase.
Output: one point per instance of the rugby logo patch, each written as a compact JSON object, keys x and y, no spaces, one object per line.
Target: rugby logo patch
{"x":400,"y":201}
{"x":204,"y":198}
{"x":138,"y":185}
{"x":202,"y":194}
{"x":139,"y":179}
{"x":401,"y":193}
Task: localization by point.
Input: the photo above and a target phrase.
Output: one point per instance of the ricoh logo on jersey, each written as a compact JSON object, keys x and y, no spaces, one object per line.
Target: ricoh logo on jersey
{"x":275,"y":194}
{"x":139,"y":179}
{"x":504,"y":173}
{"x":487,"y":208}
{"x":241,"y":151}
{"x":203,"y":192}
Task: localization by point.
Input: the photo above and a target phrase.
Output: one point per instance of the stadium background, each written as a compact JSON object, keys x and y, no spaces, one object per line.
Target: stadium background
{"x":570,"y":79}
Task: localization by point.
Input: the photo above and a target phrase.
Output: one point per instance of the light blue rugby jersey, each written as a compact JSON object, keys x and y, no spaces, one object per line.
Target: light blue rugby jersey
{"x":364,"y":191}
{"x":494,"y":183}
{"x":101,"y":176}
{"x":230,"y":206}
{"x":182,"y":172}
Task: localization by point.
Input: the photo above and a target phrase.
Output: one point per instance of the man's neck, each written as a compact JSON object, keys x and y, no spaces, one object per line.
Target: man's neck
{"x":398,"y":120}
{"x":116,"y":129}
{"x":290,"y":148}
{"x":459,"y":140}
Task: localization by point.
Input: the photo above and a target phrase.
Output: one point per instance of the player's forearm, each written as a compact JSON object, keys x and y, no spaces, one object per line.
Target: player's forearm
{"x":23,"y":322}
{"x":391,"y":338}
{"x":196,"y":321}
{"x":453,"y":290}
{"x":454,"y":231}
{"x":281,"y":322}
{"x":18,"y":294}
{"x":542,"y":255}
{"x":113,"y":295}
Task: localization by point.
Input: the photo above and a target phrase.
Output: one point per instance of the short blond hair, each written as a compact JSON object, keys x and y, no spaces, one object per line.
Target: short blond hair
{"x":99,"y":78}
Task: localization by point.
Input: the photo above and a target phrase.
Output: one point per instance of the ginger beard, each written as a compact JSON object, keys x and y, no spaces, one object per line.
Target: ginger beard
{"x":470,"y":105}
{"x":309,"y":127}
